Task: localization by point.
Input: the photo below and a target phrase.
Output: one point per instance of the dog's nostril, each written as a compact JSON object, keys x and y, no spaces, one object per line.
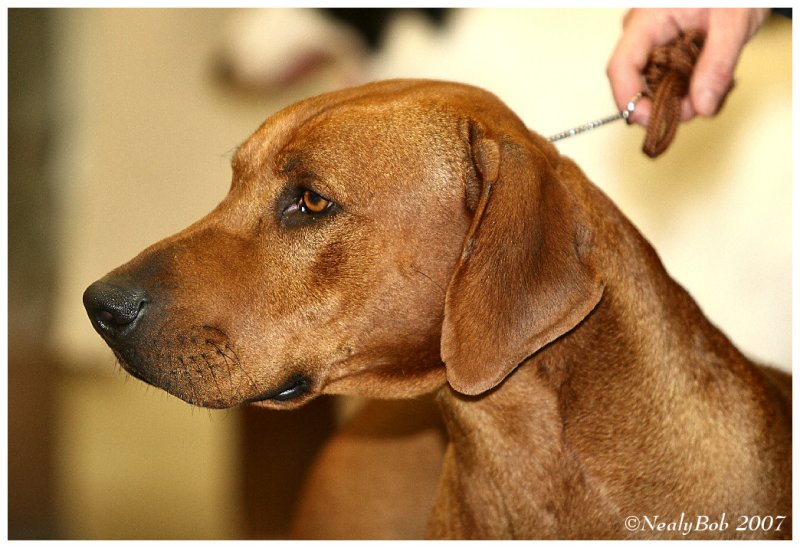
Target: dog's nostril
{"x":104,"y":316}
{"x":113,"y":307}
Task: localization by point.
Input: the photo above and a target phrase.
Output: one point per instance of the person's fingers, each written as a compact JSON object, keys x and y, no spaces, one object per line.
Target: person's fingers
{"x":728,"y":32}
{"x":643,"y":31}
{"x":687,"y":109}
{"x":641,"y":115}
{"x":713,"y":74}
{"x":625,"y":74}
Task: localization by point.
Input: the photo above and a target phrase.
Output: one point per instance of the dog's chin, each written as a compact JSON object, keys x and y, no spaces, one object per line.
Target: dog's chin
{"x":294,"y":392}
{"x":202,"y":367}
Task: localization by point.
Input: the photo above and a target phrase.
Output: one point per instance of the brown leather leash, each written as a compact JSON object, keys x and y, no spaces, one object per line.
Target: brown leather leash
{"x":666,"y":75}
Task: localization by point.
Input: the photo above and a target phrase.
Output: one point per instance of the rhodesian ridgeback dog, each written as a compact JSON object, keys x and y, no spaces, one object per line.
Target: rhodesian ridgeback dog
{"x":406,"y":238}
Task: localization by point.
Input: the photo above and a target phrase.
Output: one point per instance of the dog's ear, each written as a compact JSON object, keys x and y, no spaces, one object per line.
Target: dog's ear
{"x":525,"y":276}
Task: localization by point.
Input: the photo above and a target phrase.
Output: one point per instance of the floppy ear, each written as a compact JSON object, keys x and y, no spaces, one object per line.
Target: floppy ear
{"x":525,"y":275}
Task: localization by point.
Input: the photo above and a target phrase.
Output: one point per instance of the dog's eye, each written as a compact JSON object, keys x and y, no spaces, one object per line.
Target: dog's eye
{"x":312,"y":203}
{"x":299,"y":207}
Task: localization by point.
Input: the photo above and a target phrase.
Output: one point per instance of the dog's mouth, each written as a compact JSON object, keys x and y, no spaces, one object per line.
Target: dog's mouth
{"x":291,"y":391}
{"x":295,"y":387}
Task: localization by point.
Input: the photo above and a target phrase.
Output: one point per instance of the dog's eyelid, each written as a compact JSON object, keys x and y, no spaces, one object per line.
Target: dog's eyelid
{"x":299,"y":174}
{"x":304,"y":181}
{"x":321,"y":194}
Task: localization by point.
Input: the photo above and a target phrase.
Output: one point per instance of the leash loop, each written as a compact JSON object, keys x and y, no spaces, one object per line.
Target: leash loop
{"x":667,"y":76}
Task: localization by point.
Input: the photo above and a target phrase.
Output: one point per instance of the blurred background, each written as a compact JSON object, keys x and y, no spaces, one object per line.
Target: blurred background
{"x":121,"y":124}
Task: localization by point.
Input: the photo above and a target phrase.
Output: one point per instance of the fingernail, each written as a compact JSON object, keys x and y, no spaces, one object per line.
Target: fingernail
{"x":706,"y":102}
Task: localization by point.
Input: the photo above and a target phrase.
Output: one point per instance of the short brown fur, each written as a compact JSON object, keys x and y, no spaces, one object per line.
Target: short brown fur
{"x":578,"y":383}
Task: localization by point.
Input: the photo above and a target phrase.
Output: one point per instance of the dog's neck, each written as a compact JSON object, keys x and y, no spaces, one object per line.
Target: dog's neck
{"x":516,"y":466}
{"x":510,"y":470}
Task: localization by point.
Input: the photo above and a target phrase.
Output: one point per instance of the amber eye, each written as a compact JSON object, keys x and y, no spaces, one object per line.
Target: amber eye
{"x":312,"y":203}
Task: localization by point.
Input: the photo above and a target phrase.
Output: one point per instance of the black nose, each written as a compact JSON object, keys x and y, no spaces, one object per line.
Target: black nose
{"x":113,"y":308}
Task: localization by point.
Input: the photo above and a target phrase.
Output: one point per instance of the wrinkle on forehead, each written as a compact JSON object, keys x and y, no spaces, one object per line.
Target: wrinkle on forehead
{"x":280,"y":128}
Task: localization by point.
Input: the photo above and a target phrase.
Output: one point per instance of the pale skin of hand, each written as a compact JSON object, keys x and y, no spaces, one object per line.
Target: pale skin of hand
{"x":727,"y":30}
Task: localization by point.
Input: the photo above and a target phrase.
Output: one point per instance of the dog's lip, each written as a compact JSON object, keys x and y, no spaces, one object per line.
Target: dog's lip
{"x":130,"y":368}
{"x":294,"y":387}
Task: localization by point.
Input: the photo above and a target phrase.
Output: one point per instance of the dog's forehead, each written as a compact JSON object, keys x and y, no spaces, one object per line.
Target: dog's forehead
{"x":371,"y":133}
{"x":361,"y":107}
{"x":369,"y":130}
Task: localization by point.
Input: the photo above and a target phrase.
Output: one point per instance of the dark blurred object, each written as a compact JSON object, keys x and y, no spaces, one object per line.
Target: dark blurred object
{"x":370,"y":23}
{"x":32,"y":264}
{"x":269,"y":50}
{"x":277,"y":450}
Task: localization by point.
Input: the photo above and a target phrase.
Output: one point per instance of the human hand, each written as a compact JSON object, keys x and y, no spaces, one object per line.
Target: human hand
{"x":726,"y":31}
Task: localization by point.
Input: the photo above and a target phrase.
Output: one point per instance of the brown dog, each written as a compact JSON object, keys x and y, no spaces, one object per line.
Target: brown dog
{"x":407,"y":237}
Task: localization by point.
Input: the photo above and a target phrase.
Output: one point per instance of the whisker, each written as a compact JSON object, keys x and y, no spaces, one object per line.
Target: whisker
{"x":225,"y":359}
{"x":188,"y":378}
{"x":213,"y":375}
{"x":238,"y":363}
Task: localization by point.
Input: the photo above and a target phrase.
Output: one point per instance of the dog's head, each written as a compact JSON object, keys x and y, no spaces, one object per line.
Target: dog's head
{"x":381,"y":240}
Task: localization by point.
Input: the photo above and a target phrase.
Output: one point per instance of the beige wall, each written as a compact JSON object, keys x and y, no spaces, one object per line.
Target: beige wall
{"x":146,"y":152}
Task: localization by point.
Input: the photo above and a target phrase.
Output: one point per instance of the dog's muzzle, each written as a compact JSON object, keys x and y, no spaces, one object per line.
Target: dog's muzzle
{"x":197,"y":363}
